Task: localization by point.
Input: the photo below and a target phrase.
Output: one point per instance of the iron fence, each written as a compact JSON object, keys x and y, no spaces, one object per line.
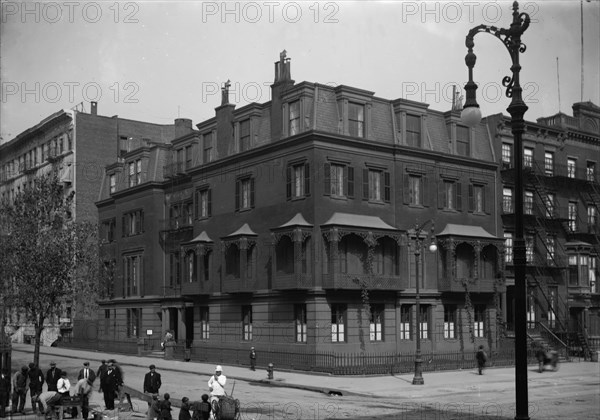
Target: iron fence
{"x":331,"y":362}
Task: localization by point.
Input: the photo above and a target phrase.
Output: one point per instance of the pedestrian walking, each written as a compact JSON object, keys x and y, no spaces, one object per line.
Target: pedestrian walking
{"x":52,"y":377}
{"x":110,"y":383}
{"x":184,"y":411}
{"x":36,"y":383}
{"x":5,"y":388}
{"x":481,"y":357}
{"x":252,"y":359}
{"x":152,"y":381}
{"x":86,"y":373}
{"x":83,"y":388}
{"x":20,"y":384}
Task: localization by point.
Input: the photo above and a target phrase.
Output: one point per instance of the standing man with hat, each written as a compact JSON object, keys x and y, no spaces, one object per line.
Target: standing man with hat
{"x":52,"y":377}
{"x":87,"y":373}
{"x":152,"y":381}
{"x":110,"y":383}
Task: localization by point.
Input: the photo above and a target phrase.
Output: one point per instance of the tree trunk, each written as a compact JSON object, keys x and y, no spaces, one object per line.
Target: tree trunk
{"x":38,"y":334}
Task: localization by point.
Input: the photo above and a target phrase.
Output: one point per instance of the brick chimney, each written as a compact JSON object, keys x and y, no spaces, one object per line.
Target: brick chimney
{"x":94,"y":108}
{"x":283,"y":81}
{"x":224,"y":117}
{"x":183,"y":126}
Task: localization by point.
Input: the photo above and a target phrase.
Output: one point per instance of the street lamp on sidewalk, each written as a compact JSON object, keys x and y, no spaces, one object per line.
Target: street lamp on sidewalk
{"x":418,"y":245}
{"x":471,"y":115}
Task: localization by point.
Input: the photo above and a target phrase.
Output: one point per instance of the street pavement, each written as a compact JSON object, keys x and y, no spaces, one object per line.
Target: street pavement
{"x":440,"y":383}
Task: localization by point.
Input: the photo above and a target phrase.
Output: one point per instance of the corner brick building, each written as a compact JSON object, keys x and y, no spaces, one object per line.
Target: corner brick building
{"x":289,"y":226}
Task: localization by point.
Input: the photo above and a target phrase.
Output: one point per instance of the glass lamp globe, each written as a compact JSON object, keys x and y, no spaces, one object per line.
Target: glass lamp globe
{"x":432,"y":247}
{"x":471,"y":116}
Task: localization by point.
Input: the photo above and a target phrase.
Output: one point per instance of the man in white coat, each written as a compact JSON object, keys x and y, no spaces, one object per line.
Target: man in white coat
{"x":216,"y":385}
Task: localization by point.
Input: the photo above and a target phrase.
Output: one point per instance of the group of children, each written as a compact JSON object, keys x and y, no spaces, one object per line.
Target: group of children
{"x":161,"y":410}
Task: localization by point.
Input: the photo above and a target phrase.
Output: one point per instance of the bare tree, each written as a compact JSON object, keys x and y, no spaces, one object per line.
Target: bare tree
{"x":50,"y":257}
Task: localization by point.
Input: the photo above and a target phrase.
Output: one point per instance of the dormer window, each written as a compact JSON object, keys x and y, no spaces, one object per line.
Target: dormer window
{"x":463,"y":141}
{"x":294,"y":126}
{"x":135,"y":172}
{"x":207,"y":139}
{"x":413,"y":130}
{"x":245,"y":137}
{"x":356,"y":119}
{"x":113,"y":183}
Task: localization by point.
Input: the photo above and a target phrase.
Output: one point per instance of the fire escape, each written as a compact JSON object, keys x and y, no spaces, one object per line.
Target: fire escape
{"x":558,"y":230}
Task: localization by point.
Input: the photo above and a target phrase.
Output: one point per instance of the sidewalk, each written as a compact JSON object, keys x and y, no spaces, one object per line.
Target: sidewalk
{"x":436,"y":383}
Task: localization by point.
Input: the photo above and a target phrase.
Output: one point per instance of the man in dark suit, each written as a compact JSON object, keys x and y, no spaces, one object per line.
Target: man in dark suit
{"x":52,"y":377}
{"x":110,"y":383}
{"x":36,"y":381}
{"x":152,"y":381}
{"x":87,"y":373}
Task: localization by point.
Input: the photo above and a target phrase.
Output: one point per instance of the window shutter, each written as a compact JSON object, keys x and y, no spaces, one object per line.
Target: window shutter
{"x":209,"y":202}
{"x":252,"y":192}
{"x":471,"y":199}
{"x":387,"y":187}
{"x":141,"y":274}
{"x":425,"y":195}
{"x":288,"y":182}
{"x":124,"y":276}
{"x":406,"y":189}
{"x":458,"y":186}
{"x":237,"y":195}
{"x":123,"y":226}
{"x":307,"y":179}
{"x":486,"y":199}
{"x":327,"y":179}
{"x":441,"y":194}
{"x":350,"y":182}
{"x":196,"y":204}
{"x":365,"y":182}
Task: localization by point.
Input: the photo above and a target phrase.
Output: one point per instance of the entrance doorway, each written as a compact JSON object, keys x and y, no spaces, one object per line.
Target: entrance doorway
{"x":189,"y":326}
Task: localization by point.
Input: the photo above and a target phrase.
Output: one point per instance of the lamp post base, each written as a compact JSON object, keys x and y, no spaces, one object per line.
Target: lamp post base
{"x":418,"y":381}
{"x":418,"y":378}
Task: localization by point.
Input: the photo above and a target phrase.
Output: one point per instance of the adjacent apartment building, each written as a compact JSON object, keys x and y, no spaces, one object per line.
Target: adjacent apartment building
{"x":561,"y":161}
{"x":290,"y":226}
{"x":78,"y":145}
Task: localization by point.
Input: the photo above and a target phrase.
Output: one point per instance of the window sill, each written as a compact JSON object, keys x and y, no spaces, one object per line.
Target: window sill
{"x":298,"y":198}
{"x":377,"y":202}
{"x":244,"y":209}
{"x":339,"y":197}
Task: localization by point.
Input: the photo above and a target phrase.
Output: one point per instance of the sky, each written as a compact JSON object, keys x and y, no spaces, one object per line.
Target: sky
{"x":157,"y":61}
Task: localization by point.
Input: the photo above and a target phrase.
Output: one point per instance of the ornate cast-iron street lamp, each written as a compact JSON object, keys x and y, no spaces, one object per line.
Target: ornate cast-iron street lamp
{"x":418,"y":245}
{"x":471,"y":115}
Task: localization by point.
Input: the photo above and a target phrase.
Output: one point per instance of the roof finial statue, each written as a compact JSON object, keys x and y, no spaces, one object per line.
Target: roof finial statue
{"x":225,"y":93}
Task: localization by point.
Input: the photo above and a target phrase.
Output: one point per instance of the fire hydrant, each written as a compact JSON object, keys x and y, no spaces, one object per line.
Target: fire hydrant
{"x":270,"y":371}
